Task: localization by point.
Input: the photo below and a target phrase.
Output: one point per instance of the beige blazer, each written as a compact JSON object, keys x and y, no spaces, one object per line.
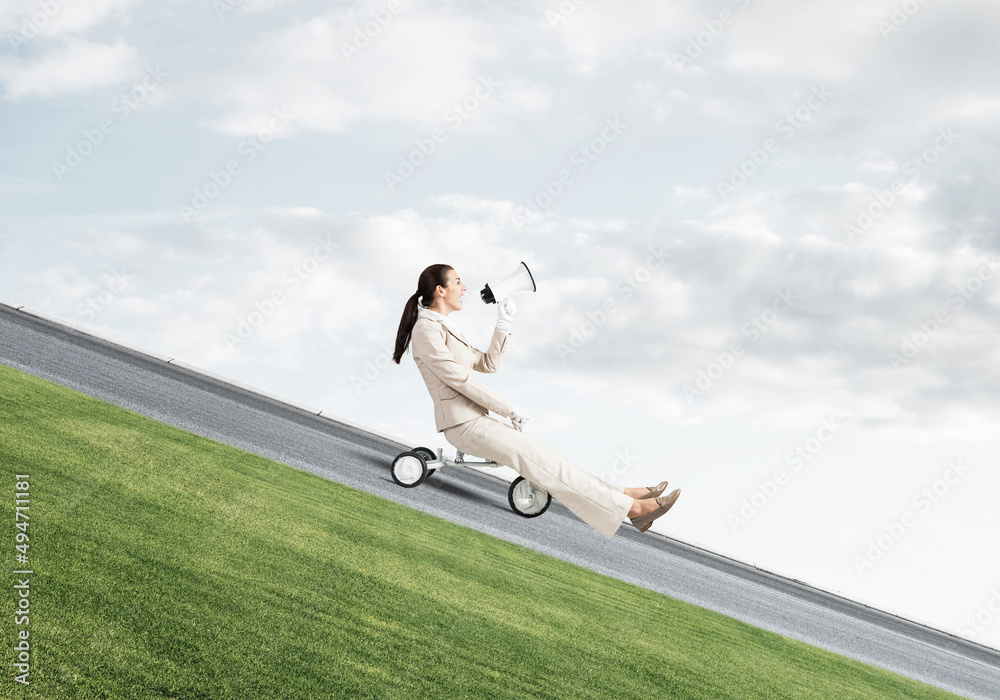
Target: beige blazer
{"x":446,"y":360}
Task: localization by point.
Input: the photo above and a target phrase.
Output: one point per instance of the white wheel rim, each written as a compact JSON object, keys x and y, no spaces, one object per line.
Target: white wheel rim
{"x":528,"y":498}
{"x":408,"y":469}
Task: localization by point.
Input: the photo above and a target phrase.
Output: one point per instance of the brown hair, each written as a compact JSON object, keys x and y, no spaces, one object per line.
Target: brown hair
{"x":431,"y":278}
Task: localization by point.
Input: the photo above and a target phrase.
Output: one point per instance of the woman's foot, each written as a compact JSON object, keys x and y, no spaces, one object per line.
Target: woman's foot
{"x":641,"y":507}
{"x":643,"y":512}
{"x":646,"y":492}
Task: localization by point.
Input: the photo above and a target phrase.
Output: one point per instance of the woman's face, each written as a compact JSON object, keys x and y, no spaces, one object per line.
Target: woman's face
{"x":452,"y":299}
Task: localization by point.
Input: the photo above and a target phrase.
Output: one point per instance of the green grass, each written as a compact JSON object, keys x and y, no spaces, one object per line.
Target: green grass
{"x":168,"y":565}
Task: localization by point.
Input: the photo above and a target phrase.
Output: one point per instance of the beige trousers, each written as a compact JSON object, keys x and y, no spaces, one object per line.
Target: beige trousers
{"x":598,"y":503}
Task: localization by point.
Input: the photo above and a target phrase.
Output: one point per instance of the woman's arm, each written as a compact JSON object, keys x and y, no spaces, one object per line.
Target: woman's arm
{"x":429,"y":348}
{"x":489,"y":361}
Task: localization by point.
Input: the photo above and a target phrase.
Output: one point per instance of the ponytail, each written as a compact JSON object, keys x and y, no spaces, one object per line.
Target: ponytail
{"x":430,"y":279}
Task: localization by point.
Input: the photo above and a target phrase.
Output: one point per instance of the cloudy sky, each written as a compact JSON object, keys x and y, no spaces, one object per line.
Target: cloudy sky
{"x":764,"y":234}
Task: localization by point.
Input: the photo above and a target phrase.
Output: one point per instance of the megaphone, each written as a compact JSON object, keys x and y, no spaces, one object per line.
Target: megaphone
{"x":520,"y":280}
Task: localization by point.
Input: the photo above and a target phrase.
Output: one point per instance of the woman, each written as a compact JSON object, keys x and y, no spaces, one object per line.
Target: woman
{"x":462,"y":405}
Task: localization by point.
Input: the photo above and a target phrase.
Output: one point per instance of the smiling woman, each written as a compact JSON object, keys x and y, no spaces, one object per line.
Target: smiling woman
{"x":462,"y":407}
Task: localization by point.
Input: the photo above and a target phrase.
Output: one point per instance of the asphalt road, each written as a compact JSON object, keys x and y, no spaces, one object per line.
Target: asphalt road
{"x":161,"y":389}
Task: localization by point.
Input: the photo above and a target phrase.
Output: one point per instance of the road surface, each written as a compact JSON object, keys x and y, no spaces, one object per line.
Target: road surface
{"x":160,"y":388}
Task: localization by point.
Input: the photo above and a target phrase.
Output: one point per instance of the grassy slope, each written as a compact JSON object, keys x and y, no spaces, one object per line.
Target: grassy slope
{"x":168,"y":565}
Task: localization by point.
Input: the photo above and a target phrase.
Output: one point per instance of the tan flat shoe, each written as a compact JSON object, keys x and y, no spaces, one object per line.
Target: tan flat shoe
{"x":654,"y":491}
{"x":643,"y":522}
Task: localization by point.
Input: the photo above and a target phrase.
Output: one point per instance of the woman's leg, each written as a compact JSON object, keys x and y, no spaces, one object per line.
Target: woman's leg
{"x":601,"y":505}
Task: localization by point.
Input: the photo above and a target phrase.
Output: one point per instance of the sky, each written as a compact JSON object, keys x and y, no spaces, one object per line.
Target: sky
{"x":764,"y":235}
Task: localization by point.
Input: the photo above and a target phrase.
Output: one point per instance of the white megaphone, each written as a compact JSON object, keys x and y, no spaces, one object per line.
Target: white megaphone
{"x":520,"y":280}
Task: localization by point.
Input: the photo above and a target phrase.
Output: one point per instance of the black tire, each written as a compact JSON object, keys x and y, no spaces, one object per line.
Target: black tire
{"x":527,"y":499}
{"x":409,"y":469}
{"x":429,"y":456}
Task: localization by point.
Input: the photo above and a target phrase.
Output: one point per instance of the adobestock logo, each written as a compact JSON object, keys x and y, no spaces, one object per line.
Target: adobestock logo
{"x":752,"y":330}
{"x":292,"y":279}
{"x":220,"y":180}
{"x":624,"y":289}
{"x":899,"y":16}
{"x":455,"y":116}
{"x":768,"y":489}
{"x":786,"y":126}
{"x":47,"y":11}
{"x":912,"y":343}
{"x":103,"y":298}
{"x":924,"y":501}
{"x":915,"y":167}
{"x":704,"y":39}
{"x":122,"y":106}
{"x":581,"y":157}
{"x":623,"y":460}
{"x":372,"y":370}
{"x":562,"y":12}
{"x":365,"y":35}
{"x":982,"y":618}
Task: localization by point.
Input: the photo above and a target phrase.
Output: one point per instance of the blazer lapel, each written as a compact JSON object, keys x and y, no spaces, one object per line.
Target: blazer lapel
{"x":456,"y":334}
{"x":422,"y":313}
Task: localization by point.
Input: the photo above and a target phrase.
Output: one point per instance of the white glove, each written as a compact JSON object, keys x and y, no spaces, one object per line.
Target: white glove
{"x":506,"y":311}
{"x":518,"y":420}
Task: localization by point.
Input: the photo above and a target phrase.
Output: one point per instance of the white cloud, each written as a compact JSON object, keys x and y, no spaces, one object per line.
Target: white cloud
{"x":877,"y":162}
{"x":76,"y":67}
{"x":31,"y":18}
{"x":780,"y":39}
{"x":416,"y":69}
{"x":466,"y":206}
{"x":298,"y":212}
{"x":591,"y":35}
{"x":260,"y":5}
{"x":19,"y":187}
{"x":188,"y":286}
